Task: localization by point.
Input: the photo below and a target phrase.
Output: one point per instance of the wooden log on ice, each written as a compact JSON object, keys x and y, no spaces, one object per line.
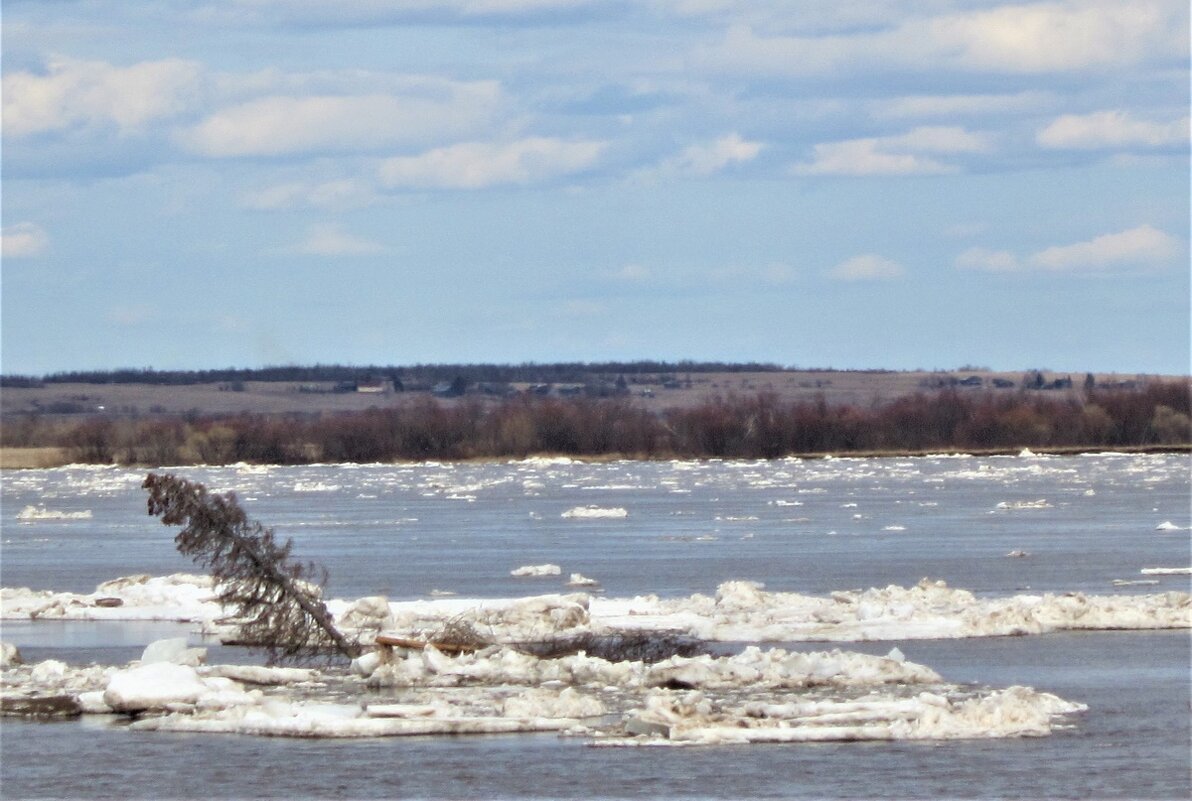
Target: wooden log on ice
{"x":418,"y":645}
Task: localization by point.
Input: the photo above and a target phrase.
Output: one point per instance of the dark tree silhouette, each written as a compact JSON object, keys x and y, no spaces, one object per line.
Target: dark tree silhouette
{"x":277,"y":600}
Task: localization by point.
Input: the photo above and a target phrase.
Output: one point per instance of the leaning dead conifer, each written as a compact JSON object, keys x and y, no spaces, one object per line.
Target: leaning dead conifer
{"x":276,"y":600}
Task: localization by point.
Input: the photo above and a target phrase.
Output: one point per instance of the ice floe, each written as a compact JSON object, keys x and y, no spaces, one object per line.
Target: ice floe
{"x":536,"y":571}
{"x":1166,"y":571}
{"x":740,"y":611}
{"x":670,"y":718}
{"x":1039,"y":504}
{"x":1167,"y":525}
{"x":179,"y":597}
{"x":596,"y":512}
{"x":32,"y":513}
{"x":757,"y":695}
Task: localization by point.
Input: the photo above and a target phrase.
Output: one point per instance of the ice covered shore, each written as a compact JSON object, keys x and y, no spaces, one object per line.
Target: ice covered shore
{"x":739,"y":612}
{"x":754,"y":696}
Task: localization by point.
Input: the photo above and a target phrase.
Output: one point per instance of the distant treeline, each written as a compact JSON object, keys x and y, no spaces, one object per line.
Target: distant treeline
{"x":560,"y":372}
{"x":754,"y":426}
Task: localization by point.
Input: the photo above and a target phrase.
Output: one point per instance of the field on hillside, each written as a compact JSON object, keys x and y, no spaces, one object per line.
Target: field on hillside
{"x":654,"y":392}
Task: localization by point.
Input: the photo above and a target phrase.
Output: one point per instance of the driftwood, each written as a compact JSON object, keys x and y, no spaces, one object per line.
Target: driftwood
{"x":619,"y":646}
{"x":418,"y":645}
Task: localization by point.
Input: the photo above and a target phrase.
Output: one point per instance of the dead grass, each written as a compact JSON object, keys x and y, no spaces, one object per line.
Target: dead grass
{"x":27,"y":458}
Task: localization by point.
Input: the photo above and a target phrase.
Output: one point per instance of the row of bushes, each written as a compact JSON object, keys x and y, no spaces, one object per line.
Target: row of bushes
{"x":756,"y":426}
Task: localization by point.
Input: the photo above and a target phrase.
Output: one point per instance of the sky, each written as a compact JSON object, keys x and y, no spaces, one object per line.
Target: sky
{"x":196,"y":184}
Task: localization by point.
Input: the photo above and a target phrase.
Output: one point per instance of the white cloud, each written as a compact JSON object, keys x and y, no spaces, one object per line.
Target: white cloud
{"x":937,"y":139}
{"x":1014,"y":38}
{"x":23,"y":240}
{"x":958,"y":105}
{"x":904,"y":154}
{"x":1061,"y":36}
{"x":78,"y":93}
{"x":358,"y":11}
{"x":285,"y":124}
{"x":477,"y":165}
{"x":997,"y":261}
{"x":712,"y":157}
{"x":1143,"y":246}
{"x":298,"y":194}
{"x":329,"y":239}
{"x":866,"y":267}
{"x":863,"y":157}
{"x":1110,"y":129}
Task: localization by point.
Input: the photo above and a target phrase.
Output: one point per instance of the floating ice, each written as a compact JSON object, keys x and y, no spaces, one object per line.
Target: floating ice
{"x":580,"y":580}
{"x":173,"y":650}
{"x":693,"y":719}
{"x":740,"y":611}
{"x":595,"y":512}
{"x":31,"y":513}
{"x":1167,"y":525}
{"x":1039,"y":504}
{"x":179,"y":597}
{"x":315,"y":486}
{"x":9,"y":655}
{"x":536,"y":570}
{"x":1166,"y":571}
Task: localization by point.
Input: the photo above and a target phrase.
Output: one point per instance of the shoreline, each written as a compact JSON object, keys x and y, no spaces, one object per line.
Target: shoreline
{"x":12,"y":458}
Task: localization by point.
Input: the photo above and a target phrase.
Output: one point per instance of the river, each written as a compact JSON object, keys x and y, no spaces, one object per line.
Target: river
{"x":670,"y":528}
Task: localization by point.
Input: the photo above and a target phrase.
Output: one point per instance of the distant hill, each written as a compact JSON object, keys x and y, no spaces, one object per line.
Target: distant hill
{"x":550,"y":372}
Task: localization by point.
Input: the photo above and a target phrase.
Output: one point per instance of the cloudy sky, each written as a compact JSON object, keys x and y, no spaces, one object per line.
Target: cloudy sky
{"x":877,"y":183}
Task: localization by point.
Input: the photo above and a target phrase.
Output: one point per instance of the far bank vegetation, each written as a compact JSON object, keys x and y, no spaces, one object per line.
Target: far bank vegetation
{"x":733,"y":426}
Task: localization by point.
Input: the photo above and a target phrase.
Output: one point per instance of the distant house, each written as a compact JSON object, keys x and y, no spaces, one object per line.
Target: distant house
{"x":569,"y":390}
{"x":450,"y":389}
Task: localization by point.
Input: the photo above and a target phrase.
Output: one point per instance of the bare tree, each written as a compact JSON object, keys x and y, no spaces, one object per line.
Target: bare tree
{"x":277,"y":600}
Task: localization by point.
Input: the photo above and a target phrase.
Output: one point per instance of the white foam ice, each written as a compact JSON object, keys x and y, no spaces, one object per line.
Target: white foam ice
{"x":745,"y":612}
{"x":33,"y":513}
{"x":1039,"y":504}
{"x":536,"y":571}
{"x":179,"y":597}
{"x":691,"y":718}
{"x":758,"y":695}
{"x":595,"y":512}
{"x":740,"y":611}
{"x":315,"y":486}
